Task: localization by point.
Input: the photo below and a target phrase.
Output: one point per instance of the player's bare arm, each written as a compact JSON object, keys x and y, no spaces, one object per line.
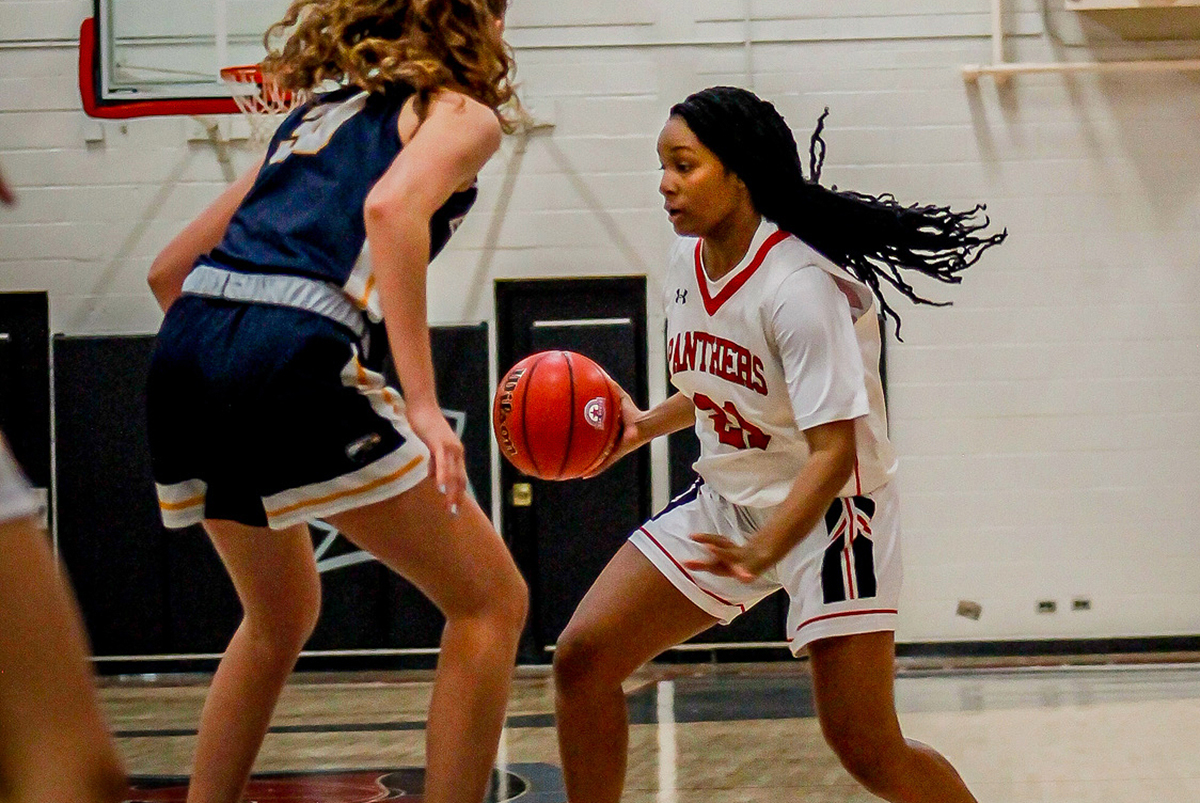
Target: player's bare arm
{"x":831,"y":461}
{"x":639,"y":427}
{"x":454,"y":141}
{"x":175,"y":262}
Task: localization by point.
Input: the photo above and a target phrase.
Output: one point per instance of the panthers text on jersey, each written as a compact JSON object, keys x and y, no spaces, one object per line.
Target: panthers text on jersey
{"x":784,"y":342}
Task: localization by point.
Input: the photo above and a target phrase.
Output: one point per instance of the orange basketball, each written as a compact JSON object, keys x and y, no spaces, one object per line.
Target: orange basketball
{"x":556,"y":415}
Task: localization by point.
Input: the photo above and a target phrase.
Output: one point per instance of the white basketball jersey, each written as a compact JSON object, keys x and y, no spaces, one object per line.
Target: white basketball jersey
{"x":783,"y":342}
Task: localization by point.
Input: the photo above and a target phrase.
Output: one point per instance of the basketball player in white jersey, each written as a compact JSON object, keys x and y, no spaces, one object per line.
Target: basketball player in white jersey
{"x":774,"y":345}
{"x":54,"y":744}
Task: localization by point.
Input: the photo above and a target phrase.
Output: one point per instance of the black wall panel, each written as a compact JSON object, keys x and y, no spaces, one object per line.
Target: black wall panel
{"x":111,"y":542}
{"x":460,"y":364}
{"x":25,"y":381}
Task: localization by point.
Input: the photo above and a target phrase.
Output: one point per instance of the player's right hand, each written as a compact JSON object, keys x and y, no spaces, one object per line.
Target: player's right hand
{"x":743,"y":562}
{"x":449,"y":456}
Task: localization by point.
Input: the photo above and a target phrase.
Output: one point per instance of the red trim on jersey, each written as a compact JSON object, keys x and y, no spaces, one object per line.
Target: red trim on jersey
{"x":712,"y":304}
{"x":838,"y":615}
{"x":686,"y":574}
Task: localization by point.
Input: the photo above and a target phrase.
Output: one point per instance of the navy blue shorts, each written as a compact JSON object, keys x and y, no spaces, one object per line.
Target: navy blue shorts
{"x":265,"y":415}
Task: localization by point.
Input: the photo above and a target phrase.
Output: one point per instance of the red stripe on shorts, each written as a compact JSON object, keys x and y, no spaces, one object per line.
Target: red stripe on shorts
{"x":679,"y":566}
{"x":840,"y":614}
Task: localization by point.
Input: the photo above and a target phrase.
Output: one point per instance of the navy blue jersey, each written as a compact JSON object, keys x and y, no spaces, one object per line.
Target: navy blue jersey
{"x":304,"y":214}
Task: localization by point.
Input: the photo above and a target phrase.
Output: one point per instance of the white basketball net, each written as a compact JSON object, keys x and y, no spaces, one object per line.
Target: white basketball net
{"x":262,"y":102}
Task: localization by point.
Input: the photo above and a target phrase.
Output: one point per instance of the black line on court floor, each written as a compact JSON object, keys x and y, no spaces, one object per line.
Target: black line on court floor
{"x":703,"y":699}
{"x":519,"y":721}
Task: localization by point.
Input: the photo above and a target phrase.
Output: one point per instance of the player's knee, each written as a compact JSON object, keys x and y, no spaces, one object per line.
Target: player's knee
{"x":499,"y":602}
{"x":306,"y":611}
{"x":513,"y":601}
{"x":870,"y":760}
{"x":578,"y":662}
{"x":286,"y":628}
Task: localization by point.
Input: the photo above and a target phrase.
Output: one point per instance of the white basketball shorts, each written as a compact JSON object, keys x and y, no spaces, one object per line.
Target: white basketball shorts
{"x":843,"y":578}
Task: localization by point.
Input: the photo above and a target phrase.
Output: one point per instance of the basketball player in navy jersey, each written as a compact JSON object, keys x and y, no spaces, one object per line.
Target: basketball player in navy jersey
{"x":774,"y":345}
{"x":266,"y":405}
{"x":54,"y":744}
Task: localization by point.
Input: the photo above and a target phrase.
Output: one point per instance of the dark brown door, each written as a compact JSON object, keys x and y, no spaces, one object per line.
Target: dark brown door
{"x":569,"y":530}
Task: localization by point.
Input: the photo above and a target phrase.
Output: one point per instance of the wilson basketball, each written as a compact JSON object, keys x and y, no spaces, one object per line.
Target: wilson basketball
{"x":556,"y":415}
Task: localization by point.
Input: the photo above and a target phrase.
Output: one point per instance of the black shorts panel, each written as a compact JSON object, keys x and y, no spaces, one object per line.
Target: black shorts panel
{"x":249,"y":403}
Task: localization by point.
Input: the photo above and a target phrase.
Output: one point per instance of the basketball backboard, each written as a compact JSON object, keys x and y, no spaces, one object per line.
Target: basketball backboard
{"x":165,"y":56}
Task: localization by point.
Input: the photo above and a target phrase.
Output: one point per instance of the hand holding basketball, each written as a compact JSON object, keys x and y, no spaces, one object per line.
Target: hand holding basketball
{"x":556,"y":415}
{"x":631,"y":437}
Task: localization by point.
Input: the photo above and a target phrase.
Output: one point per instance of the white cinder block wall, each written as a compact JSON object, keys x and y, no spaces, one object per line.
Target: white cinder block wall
{"x":1048,"y":421}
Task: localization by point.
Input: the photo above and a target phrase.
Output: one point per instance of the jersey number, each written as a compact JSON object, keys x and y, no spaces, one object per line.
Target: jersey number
{"x":732,"y":427}
{"x":318,"y":127}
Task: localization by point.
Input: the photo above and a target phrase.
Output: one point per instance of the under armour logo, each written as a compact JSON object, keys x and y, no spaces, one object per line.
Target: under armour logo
{"x":680,"y":296}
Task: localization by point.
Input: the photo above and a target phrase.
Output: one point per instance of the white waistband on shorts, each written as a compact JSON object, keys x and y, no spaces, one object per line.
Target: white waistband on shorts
{"x":748,"y":519}
{"x":278,"y":289}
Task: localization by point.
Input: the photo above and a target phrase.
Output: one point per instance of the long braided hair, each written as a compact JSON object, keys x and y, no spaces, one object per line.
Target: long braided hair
{"x":873,"y":237}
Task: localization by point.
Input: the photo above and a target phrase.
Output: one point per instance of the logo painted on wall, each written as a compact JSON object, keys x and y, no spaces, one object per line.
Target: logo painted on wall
{"x":351,"y":786}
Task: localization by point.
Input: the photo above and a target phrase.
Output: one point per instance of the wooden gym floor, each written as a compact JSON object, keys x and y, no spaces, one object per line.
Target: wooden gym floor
{"x":1116,"y":733}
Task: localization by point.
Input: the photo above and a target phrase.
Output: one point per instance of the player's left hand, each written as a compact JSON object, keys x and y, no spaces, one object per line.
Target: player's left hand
{"x":742,"y":562}
{"x":449,"y":460}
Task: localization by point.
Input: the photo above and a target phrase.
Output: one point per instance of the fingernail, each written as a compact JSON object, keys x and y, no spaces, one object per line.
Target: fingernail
{"x":454,"y":510}
{"x":442,"y":488}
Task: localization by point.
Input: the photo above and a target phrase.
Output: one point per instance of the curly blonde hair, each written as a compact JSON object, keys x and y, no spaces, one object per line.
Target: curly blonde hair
{"x":425,"y":44}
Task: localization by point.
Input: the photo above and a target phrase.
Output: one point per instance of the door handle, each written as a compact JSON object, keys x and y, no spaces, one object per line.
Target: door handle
{"x":522,"y":494}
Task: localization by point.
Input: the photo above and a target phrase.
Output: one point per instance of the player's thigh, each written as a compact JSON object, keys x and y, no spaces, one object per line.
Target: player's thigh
{"x":273,"y":571}
{"x":629,"y":615}
{"x":458,"y":561}
{"x":853,"y":688}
